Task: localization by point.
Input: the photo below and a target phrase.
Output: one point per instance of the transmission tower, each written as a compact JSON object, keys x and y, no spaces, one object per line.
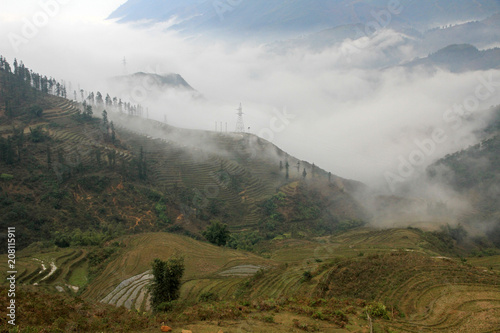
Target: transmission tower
{"x":240,"y":125}
{"x":124,"y":62}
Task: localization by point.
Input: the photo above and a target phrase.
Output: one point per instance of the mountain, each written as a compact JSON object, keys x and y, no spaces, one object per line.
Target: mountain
{"x":162,"y":82}
{"x":475,"y":173}
{"x":460,"y":58}
{"x":393,"y":44}
{"x":95,"y":200}
{"x":84,"y":176}
{"x":286,"y":17}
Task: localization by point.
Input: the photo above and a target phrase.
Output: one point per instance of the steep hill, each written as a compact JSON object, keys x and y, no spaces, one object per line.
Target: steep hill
{"x":64,"y":171}
{"x":460,"y":58}
{"x":475,"y":173}
{"x":165,"y":81}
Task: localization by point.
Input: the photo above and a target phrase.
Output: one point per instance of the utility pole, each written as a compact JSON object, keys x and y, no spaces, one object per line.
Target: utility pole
{"x":240,"y":125}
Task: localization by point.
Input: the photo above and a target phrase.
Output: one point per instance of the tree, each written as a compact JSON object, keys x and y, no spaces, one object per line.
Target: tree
{"x":36,"y":111}
{"x":166,"y":282}
{"x":108,"y":100}
{"x":141,"y":165}
{"x":49,"y":158}
{"x":217,"y":233}
{"x":304,"y":173}
{"x":287,"y":166}
{"x":113,"y":134}
{"x":105,"y":118}
{"x":98,"y":99}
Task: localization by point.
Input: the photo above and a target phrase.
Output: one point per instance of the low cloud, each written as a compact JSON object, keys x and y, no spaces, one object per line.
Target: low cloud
{"x":350,"y":115}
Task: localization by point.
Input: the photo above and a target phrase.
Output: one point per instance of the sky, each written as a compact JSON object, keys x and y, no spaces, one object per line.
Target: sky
{"x":340,"y":112}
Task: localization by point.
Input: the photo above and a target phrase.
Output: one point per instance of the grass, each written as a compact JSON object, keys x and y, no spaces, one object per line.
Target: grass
{"x":79,"y":275}
{"x":420,"y":290}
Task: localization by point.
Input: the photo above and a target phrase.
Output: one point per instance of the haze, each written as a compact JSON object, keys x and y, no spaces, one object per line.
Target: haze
{"x":352,"y":113}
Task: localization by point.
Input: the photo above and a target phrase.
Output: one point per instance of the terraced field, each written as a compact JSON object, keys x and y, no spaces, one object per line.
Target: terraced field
{"x":221,"y":172}
{"x":124,"y":279}
{"x":49,"y":270}
{"x":431,"y":292}
{"x":423,"y":291}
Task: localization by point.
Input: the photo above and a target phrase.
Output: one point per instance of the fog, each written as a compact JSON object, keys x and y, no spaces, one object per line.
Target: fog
{"x":347,"y":108}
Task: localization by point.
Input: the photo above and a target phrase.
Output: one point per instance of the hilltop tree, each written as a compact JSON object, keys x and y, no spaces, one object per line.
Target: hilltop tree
{"x":287,"y":166}
{"x":217,"y":233}
{"x":304,"y":173}
{"x":166,"y":282}
{"x":109,"y":101}
{"x":98,"y":99}
{"x":105,"y":118}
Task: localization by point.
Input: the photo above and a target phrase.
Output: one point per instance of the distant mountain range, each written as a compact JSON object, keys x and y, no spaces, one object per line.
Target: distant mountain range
{"x":460,"y":58}
{"x":292,"y":16}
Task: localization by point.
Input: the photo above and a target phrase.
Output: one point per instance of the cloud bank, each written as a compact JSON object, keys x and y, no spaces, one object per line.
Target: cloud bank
{"x":340,"y":109}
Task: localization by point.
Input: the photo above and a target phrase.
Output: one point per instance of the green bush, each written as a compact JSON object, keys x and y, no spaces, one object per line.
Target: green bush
{"x":378,"y":310}
{"x":217,"y":233}
{"x":209,"y":297}
{"x":306,"y":276}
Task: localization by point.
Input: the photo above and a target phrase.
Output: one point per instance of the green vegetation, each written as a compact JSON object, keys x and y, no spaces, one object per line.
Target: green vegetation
{"x":166,"y":282}
{"x":217,"y":233}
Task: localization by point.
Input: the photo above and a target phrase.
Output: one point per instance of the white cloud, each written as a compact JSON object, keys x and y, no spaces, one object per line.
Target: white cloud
{"x":350,"y":119}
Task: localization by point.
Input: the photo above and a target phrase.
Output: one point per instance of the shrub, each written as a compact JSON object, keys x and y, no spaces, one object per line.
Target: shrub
{"x":209,"y":297}
{"x":268,"y":319}
{"x":306,"y":276}
{"x":217,"y":233}
{"x":378,"y":310}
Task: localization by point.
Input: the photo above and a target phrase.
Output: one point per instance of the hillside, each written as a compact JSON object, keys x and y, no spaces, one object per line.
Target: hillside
{"x":475,"y":172}
{"x":66,"y":172}
{"x":96,"y":195}
{"x":460,"y":58}
{"x":321,"y":284}
{"x":162,"y":82}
